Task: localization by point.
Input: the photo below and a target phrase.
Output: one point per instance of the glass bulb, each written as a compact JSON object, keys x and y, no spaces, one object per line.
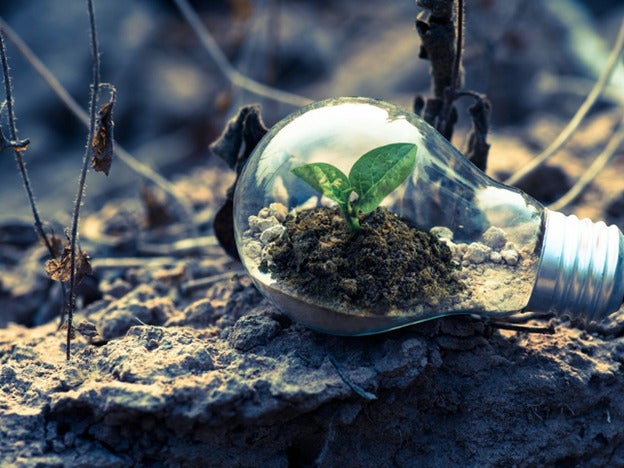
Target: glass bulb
{"x":448,"y":240}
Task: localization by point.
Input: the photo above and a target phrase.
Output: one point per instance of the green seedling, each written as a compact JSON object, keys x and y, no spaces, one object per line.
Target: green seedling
{"x":372,"y":177}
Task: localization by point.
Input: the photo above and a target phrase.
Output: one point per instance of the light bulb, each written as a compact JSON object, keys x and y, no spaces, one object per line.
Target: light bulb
{"x":454,"y":240}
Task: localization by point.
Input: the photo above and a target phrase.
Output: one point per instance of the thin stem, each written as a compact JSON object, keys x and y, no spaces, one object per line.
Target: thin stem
{"x":183,"y":247}
{"x":355,"y":387}
{"x":7,"y":89}
{"x":18,"y":153}
{"x":548,"y":330}
{"x":123,"y":263}
{"x":450,"y":93}
{"x":73,"y":106}
{"x":350,"y":216}
{"x":455,"y":82}
{"x":203,"y":283}
{"x":590,"y":174}
{"x":567,"y":132}
{"x":22,"y":165}
{"x":95,"y":86}
{"x":227,"y":69}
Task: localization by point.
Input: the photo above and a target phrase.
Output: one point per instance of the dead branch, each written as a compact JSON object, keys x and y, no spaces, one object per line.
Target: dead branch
{"x":590,"y":174}
{"x":73,"y":106}
{"x":441,"y":29}
{"x":203,"y":283}
{"x":569,"y":130}
{"x":18,"y":151}
{"x":95,"y":86}
{"x":227,"y":69}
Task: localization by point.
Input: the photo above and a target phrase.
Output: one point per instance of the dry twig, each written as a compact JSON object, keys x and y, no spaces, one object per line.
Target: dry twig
{"x":568,"y":131}
{"x":442,"y":35}
{"x":548,"y":330}
{"x":228,"y":70}
{"x":124,"y":263}
{"x":355,"y":387}
{"x":203,"y":283}
{"x":18,"y":150}
{"x":95,"y":86}
{"x":590,"y":174}
{"x":439,"y":35}
{"x":73,"y":106}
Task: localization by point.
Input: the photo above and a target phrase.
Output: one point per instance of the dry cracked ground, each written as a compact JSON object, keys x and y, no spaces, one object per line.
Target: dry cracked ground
{"x":179,"y":361}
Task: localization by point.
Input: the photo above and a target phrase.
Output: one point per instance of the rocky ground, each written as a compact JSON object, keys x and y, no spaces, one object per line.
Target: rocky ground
{"x":179,"y":361}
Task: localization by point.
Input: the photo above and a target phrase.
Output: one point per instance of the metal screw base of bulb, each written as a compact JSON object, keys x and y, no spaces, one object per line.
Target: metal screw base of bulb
{"x":581,"y":268}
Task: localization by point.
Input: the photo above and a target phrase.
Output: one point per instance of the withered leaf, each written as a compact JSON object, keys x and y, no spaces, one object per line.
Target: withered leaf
{"x":103,"y":138}
{"x":240,"y":137}
{"x":478,"y":147}
{"x":71,"y":331}
{"x":60,"y":269}
{"x":157,"y":212}
{"x":234,"y":146}
{"x":228,"y":145}
{"x":17,"y":145}
{"x":56,"y":243}
{"x":224,"y":228}
{"x":20,"y":145}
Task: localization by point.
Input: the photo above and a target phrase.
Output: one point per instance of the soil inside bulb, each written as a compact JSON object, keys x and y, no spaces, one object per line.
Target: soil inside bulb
{"x":387,"y":264}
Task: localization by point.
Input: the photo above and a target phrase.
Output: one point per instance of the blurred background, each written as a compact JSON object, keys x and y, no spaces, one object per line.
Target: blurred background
{"x":534,"y":59}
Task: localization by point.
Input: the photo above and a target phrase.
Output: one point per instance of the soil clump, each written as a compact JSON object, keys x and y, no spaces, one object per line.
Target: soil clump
{"x":386,"y":264}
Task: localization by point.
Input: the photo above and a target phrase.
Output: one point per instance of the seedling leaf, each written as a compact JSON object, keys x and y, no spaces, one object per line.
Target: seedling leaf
{"x":327,"y":180}
{"x":375,"y":175}
{"x":379,"y":172}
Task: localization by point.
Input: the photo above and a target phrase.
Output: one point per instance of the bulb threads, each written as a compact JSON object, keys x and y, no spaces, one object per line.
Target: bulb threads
{"x":581,"y":268}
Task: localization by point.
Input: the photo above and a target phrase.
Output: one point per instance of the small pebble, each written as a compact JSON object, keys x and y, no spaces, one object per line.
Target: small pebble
{"x":441,"y":232}
{"x":278,"y":210}
{"x":253,"y":222}
{"x":495,"y":257}
{"x":349,"y":286}
{"x":252,"y":249}
{"x":273,"y":233}
{"x":327,"y":202}
{"x":259,"y":224}
{"x":266,"y":223}
{"x":477,"y":253}
{"x":461,"y":248}
{"x":457,"y":255}
{"x":494,"y":238}
{"x":510,"y":256}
